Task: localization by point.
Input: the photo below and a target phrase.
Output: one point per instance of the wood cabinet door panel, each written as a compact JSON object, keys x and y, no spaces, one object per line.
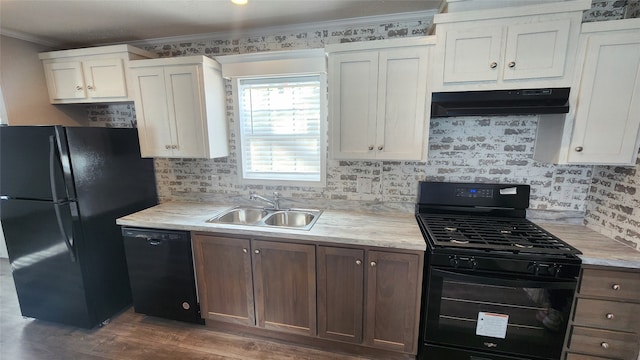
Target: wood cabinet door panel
{"x":353,"y":87}
{"x":65,"y":80}
{"x":607,"y":117}
{"x":225,"y":283}
{"x":401,"y":103}
{"x":608,"y":344}
{"x":151,"y":112}
{"x":285,"y":286}
{"x":536,"y":50}
{"x":610,"y":283}
{"x":105,"y":78}
{"x":340,"y":293}
{"x":608,"y":314}
{"x":471,"y":52}
{"x":392,"y":288}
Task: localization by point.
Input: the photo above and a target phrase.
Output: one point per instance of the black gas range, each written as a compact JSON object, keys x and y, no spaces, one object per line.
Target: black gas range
{"x":497,"y":286}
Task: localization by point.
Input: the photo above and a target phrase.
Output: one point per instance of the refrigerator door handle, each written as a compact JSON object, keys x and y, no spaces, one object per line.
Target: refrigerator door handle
{"x":54,"y":194}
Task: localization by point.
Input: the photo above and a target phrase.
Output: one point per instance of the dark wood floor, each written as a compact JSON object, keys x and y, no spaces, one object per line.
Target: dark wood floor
{"x":130,"y":336}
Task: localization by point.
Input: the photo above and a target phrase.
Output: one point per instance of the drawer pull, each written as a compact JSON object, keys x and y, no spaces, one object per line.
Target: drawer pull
{"x":609,"y":316}
{"x":615,"y":287}
{"x":604,"y":345}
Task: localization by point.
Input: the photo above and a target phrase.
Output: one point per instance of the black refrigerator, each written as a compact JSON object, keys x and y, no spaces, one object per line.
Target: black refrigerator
{"x":61,"y":190}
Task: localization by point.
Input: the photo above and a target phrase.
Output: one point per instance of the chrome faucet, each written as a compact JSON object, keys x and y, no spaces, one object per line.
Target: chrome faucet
{"x":275,"y":203}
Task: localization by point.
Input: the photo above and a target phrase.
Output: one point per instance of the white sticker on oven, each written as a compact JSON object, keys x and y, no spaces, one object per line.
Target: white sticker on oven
{"x":492,"y":324}
{"x":509,"y":191}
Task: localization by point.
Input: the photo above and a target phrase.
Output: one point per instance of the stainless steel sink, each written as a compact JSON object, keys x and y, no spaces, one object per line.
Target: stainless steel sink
{"x":241,"y":216}
{"x":302,"y":219}
{"x":291,"y":218}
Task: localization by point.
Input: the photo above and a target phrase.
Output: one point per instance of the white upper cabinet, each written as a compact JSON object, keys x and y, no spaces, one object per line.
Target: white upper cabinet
{"x":180,"y":107}
{"x":603,"y":127}
{"x":90,"y":75}
{"x":511,"y":48}
{"x":378,"y":99}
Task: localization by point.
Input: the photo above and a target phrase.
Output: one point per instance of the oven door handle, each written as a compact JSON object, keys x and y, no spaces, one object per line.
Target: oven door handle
{"x":501,"y":281}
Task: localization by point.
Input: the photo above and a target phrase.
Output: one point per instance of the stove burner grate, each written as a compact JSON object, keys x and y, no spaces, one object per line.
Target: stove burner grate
{"x":514,"y":234}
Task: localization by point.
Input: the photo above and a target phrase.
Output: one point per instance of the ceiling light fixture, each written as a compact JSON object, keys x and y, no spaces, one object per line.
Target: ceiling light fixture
{"x":240,"y":2}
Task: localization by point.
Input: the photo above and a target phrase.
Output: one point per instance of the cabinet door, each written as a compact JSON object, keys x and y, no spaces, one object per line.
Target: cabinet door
{"x":340,"y":293}
{"x":473,"y":54}
{"x":353,"y":86}
{"x":65,"y":80}
{"x":392,"y":290}
{"x":607,"y":116}
{"x":536,"y":50}
{"x":186,"y":114}
{"x":154,"y":128}
{"x":285,"y":286}
{"x":225,"y":287}
{"x":402,"y":93}
{"x":105,"y":78}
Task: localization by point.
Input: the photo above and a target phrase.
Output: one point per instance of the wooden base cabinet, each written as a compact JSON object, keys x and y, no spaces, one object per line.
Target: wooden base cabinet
{"x":387,"y":317}
{"x":605,"y":323}
{"x":225,"y":283}
{"x":258,"y":283}
{"x":366,"y":299}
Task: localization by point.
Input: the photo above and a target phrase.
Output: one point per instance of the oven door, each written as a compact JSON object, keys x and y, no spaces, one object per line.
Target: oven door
{"x":495,"y":313}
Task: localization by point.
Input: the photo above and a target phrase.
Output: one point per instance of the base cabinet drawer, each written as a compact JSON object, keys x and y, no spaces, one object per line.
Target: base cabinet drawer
{"x":604,"y":343}
{"x":606,"y":314}
{"x":610,"y":283}
{"x":583,"y":357}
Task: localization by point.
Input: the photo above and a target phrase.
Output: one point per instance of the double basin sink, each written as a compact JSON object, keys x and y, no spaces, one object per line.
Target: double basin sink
{"x":302,"y":219}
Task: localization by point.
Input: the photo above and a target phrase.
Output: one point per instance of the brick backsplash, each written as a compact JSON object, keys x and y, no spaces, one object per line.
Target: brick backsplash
{"x":465,"y":149}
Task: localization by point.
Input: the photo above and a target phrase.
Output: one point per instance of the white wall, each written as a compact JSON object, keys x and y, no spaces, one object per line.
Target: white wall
{"x":26,"y":101}
{"x":3,"y":120}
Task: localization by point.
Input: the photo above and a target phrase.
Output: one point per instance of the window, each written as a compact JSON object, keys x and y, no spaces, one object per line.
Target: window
{"x":281,"y":128}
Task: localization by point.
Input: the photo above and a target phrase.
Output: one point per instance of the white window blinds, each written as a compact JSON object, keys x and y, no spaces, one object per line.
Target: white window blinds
{"x":280,"y":128}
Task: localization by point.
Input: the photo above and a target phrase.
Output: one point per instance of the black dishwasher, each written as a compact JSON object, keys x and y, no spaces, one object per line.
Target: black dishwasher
{"x":161,"y":273}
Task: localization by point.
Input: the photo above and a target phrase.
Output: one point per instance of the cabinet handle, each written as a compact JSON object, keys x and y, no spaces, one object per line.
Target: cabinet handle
{"x":373,"y":264}
{"x":89,"y":87}
{"x":358,"y":262}
{"x":370,"y":147}
{"x":380,"y":147}
{"x":604,"y":345}
{"x":493,"y":65}
{"x":615,"y":287}
{"x":167,"y":147}
{"x":256,"y":251}
{"x":579,"y":148}
{"x":78,"y":87}
{"x":174,"y":146}
{"x":512,"y":64}
{"x":610,"y":316}
{"x":244,"y":250}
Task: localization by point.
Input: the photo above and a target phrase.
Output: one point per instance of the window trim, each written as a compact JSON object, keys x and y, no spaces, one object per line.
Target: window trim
{"x":235,"y":84}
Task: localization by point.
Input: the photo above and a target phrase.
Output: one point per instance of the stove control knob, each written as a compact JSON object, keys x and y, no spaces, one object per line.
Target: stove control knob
{"x":473,"y":263}
{"x":453,"y":260}
{"x":555,"y":270}
{"x":534,"y":268}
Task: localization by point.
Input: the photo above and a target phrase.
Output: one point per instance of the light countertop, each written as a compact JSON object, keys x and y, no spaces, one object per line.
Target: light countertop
{"x":387,"y":230}
{"x":596,"y":248}
{"x":380,"y":229}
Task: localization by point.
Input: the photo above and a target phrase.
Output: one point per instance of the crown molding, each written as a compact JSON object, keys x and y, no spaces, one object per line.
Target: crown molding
{"x":30,"y":38}
{"x":426,"y":15}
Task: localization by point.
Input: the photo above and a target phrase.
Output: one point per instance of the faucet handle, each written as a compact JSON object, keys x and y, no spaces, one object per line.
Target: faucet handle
{"x":276,"y":195}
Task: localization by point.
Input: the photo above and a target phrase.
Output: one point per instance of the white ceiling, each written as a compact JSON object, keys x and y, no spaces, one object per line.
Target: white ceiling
{"x":60,"y":23}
